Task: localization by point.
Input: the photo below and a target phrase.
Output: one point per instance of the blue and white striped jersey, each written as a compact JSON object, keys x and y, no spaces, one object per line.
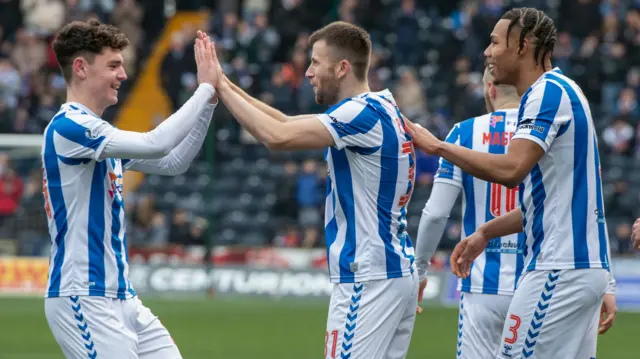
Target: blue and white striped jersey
{"x":497,"y":269}
{"x":561,"y":198}
{"x":84,"y":205}
{"x":371,"y":179}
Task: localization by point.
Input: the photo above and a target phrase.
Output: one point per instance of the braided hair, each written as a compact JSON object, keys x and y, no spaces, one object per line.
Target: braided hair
{"x":537,"y":24}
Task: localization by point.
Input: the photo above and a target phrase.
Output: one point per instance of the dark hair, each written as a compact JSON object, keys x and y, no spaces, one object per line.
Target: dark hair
{"x":351,"y":42}
{"x":537,"y":24}
{"x":87,"y":39}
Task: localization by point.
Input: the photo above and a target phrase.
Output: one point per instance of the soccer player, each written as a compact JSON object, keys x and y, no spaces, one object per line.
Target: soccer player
{"x":90,"y":305}
{"x":371,"y":176}
{"x":553,"y":156}
{"x":486,"y":293}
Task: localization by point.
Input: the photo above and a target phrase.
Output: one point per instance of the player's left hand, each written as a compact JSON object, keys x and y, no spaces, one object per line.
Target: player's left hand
{"x":465,"y":253}
{"x":423,"y":139}
{"x":421,"y":287}
{"x":635,"y":235}
{"x":607,"y":313}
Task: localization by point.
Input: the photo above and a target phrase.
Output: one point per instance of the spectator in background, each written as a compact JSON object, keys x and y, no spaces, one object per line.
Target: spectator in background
{"x":308,"y":194}
{"x":11,"y":186}
{"x":172,"y":69}
{"x":619,"y":136}
{"x":409,"y":94}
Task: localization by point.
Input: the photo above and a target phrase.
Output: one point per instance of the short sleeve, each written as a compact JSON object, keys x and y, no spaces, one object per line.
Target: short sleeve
{"x":447,"y":171}
{"x":82,"y":136}
{"x":544,"y":110}
{"x":353,"y":123}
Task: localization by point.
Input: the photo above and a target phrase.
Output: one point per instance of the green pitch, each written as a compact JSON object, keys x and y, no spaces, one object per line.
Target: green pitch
{"x":260,"y":328}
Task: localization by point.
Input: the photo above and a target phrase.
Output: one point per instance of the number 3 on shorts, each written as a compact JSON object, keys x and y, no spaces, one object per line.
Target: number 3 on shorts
{"x":332,"y":340}
{"x":513,"y":329}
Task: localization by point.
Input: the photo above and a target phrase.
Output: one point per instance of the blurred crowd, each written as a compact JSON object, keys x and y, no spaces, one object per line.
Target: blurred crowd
{"x":427,"y":52}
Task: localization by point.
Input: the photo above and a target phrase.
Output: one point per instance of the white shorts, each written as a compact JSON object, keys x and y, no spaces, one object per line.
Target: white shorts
{"x":98,"y":327}
{"x":372,"y":320}
{"x":554,"y":315}
{"x":480,"y":322}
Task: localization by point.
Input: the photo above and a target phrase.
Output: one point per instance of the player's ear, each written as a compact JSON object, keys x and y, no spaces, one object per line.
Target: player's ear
{"x":525,"y":46}
{"x":343,"y":68}
{"x":80,"y":66}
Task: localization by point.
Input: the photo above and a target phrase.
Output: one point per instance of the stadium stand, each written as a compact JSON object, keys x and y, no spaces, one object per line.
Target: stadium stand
{"x":428,"y":52}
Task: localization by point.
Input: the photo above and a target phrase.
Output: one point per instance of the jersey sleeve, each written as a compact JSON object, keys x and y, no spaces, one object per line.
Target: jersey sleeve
{"x":85,"y":136}
{"x":544,"y":114}
{"x":447,"y":171}
{"x":353,"y":124}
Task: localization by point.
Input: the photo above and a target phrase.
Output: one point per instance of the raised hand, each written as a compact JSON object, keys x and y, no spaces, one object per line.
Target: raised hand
{"x":209,"y":70}
{"x":210,"y":46}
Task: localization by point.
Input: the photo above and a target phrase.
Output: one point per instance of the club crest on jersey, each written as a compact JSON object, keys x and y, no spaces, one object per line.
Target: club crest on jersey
{"x":495,"y":119}
{"x":116,"y":184}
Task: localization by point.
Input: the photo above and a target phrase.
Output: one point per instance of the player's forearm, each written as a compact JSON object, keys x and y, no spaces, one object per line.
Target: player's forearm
{"x":502,"y":226}
{"x":179,"y":159}
{"x":260,"y":125}
{"x":273,"y":112}
{"x":500,"y":169}
{"x":433,"y":222}
{"x":159,"y":142}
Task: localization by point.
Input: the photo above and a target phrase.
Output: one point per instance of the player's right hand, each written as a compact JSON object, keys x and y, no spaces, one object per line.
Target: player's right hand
{"x":421,"y":287}
{"x":465,"y":253}
{"x":209,"y":70}
{"x":635,"y":235}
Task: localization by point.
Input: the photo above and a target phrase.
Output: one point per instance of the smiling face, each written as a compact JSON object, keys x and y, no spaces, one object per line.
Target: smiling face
{"x":504,"y":61}
{"x":322,"y":73}
{"x":102,"y":76}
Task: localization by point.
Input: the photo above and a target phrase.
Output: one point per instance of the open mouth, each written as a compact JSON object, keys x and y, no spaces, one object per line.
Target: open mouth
{"x":115,"y":87}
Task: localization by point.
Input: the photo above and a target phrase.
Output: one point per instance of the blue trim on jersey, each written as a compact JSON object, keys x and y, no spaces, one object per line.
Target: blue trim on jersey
{"x":331,"y":229}
{"x":469,"y":217}
{"x":361,"y":124}
{"x":522,"y":243}
{"x":491,"y":281}
{"x":116,"y":243}
{"x":388,"y":182}
{"x":548,"y":110}
{"x":446,"y":167}
{"x":54,"y":187}
{"x":538,"y":195}
{"x":73,"y":161}
{"x":602,"y":231}
{"x":95,"y":231}
{"x":579,"y":210}
{"x":344,"y":187}
{"x":76,"y":133}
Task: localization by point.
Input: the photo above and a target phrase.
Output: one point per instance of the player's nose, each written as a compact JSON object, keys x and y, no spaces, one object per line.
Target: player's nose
{"x":122,"y":76}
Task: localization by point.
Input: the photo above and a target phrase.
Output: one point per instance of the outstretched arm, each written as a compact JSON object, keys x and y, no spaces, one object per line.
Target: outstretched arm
{"x":307,"y":133}
{"x":268,"y":110}
{"x":542,"y":119}
{"x":179,"y":159}
{"x":160,"y":141}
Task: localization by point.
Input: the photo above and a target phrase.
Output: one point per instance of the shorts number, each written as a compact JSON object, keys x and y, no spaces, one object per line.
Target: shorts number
{"x":513,"y":329}
{"x":496,"y":199}
{"x":330,"y":339}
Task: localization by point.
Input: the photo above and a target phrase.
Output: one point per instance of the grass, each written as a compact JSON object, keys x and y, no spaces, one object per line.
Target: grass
{"x":239,"y":328}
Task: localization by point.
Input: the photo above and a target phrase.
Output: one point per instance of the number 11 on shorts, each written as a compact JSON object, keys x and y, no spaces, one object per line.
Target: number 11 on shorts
{"x":330,"y":343}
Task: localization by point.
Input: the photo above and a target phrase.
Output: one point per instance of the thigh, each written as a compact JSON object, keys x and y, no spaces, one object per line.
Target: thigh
{"x":363,"y":317}
{"x":154,"y":340}
{"x":89,"y":327}
{"x":399,"y":345}
{"x":589,"y":345}
{"x":550,"y":313}
{"x":480,"y":322}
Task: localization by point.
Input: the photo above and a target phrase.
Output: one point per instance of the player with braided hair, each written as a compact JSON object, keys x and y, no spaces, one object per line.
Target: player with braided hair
{"x":553,"y":158}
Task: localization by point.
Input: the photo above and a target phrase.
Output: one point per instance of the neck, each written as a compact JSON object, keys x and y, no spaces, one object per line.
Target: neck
{"x":506,"y":104}
{"x":353,"y":89}
{"x":84,"y":98}
{"x":529,"y":75}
